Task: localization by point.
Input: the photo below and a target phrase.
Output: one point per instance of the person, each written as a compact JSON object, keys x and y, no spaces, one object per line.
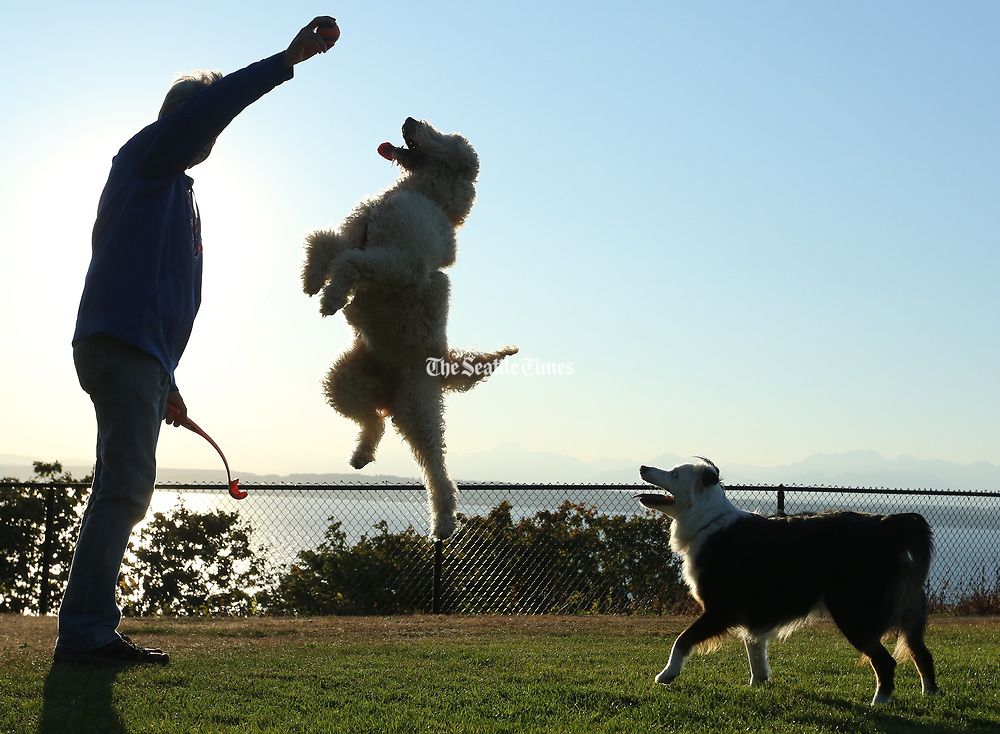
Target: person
{"x":140,"y":298}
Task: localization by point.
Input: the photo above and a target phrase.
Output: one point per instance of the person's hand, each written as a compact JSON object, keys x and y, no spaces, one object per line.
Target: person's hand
{"x":307,"y":43}
{"x":176,"y":409}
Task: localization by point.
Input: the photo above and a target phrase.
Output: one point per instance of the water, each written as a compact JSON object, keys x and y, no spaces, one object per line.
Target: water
{"x":286,"y":521}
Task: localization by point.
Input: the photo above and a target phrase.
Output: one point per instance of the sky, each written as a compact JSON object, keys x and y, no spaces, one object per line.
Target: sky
{"x":752,"y":231}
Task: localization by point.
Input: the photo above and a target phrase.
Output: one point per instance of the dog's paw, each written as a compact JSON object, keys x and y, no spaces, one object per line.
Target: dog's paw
{"x":664,"y":678}
{"x":882,"y":697}
{"x":312,"y":283}
{"x":759,"y":681}
{"x":362,"y":457}
{"x":442,"y":527}
{"x":331,"y":302}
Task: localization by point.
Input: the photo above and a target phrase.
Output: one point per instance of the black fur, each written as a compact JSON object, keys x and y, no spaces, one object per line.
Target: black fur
{"x":842,"y":559}
{"x":709,"y":474}
{"x":866,"y":571}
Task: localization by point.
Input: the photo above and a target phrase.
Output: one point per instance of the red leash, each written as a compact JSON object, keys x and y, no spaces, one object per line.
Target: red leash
{"x":234,"y":484}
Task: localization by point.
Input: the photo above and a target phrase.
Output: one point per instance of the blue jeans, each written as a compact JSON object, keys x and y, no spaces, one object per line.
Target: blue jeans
{"x":129,"y":390}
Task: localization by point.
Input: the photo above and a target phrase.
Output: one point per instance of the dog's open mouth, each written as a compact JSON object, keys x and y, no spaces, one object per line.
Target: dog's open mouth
{"x":409,"y":157}
{"x":648,"y":499}
{"x":409,"y":127}
{"x":653,"y":501}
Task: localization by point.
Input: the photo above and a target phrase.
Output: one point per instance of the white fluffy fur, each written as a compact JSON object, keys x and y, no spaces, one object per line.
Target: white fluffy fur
{"x":387,"y":257}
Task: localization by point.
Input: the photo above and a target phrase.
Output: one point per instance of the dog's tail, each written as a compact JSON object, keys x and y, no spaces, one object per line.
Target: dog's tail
{"x":913,"y":539}
{"x":465,"y":370}
{"x":322,"y":246}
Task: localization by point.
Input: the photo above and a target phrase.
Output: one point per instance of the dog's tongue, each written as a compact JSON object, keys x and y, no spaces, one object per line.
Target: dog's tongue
{"x":387,"y":151}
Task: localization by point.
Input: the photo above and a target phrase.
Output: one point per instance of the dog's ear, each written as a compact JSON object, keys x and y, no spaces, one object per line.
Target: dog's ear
{"x":454,"y":151}
{"x":709,"y":475}
{"x":462,"y":156}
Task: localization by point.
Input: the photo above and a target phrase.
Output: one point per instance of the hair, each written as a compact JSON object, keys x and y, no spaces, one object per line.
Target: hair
{"x":186,"y":85}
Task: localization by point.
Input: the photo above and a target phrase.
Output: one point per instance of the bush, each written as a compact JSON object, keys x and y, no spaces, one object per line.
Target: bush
{"x":570,"y":560}
{"x":22,"y":538}
{"x":188,"y":563}
{"x":385,"y":573}
{"x":981,"y":597}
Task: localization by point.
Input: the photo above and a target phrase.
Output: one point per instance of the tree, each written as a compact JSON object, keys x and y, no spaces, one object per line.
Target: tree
{"x":383,"y":573}
{"x":188,"y":563}
{"x":23,"y":536}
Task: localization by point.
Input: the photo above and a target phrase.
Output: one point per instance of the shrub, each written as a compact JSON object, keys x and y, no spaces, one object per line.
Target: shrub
{"x":188,"y":563}
{"x":569,"y":560}
{"x":22,"y":538}
{"x":384,"y":573}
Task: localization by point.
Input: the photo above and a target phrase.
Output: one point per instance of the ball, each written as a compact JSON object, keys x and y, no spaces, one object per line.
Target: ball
{"x":330,"y":32}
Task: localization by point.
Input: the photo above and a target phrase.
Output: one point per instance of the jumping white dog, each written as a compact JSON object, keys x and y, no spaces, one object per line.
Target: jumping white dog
{"x":383,"y":268}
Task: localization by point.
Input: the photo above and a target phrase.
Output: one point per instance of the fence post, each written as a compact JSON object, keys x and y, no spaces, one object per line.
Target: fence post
{"x":47,"y":543}
{"x":781,"y":499}
{"x":436,"y":587}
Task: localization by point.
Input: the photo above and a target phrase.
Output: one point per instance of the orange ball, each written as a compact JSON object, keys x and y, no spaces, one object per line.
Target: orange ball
{"x":330,"y":32}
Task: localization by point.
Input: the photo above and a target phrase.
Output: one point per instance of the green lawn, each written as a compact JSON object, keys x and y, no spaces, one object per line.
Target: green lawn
{"x":483,"y":674}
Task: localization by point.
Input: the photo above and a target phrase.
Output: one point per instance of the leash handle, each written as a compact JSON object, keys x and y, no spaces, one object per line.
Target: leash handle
{"x":234,"y":484}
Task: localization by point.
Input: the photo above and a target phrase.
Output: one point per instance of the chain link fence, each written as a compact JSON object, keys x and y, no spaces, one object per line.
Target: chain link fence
{"x":519,"y":549}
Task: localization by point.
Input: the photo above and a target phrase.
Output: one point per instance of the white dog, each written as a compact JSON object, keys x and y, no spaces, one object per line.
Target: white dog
{"x":387,"y":255}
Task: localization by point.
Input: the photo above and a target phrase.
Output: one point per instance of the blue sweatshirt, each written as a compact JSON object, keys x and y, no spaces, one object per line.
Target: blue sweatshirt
{"x":144,"y":282}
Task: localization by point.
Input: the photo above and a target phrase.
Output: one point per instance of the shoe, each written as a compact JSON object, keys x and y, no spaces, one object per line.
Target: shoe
{"x":118,"y":652}
{"x":128,"y":640}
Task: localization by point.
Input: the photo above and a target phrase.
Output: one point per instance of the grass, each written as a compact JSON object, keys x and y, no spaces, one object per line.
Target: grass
{"x":483,"y":674}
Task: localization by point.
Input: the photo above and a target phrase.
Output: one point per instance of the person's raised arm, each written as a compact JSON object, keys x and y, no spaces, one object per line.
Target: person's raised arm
{"x":196,"y":122}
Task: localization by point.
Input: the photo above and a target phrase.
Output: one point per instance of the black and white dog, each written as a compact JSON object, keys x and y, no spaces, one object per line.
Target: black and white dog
{"x":761,"y":577}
